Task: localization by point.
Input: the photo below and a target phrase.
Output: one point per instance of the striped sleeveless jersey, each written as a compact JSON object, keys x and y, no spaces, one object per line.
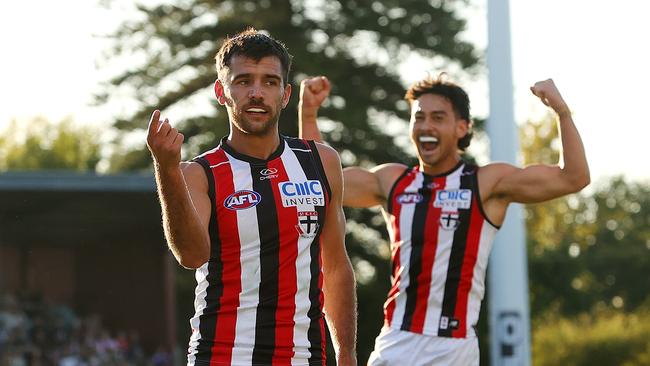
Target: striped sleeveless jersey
{"x":440,"y":243}
{"x":259,"y":298}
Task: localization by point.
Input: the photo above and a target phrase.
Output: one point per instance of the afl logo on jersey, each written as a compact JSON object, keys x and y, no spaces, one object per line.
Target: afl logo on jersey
{"x":406,"y":198}
{"x":241,"y":200}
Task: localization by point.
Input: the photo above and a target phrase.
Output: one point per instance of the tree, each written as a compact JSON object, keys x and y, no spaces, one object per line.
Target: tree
{"x":588,"y":258}
{"x":605,"y":338}
{"x":39,"y":144}
{"x":586,"y":249}
{"x":171,"y":49}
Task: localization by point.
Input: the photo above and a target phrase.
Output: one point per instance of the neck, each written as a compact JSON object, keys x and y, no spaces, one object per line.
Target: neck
{"x":440,"y":167}
{"x":256,"y":146}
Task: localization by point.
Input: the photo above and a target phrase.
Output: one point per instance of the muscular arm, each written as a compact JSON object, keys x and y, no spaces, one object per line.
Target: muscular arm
{"x":339,"y":283}
{"x":537,"y":183}
{"x":362,"y":187}
{"x":183,"y":194}
{"x":369,"y":188}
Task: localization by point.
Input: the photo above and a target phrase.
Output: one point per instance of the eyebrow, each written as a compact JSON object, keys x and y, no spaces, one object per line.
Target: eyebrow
{"x":266,"y":76}
{"x":433,"y":112}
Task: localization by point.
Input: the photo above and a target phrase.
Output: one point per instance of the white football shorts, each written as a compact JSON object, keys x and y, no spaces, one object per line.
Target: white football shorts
{"x":394,"y":347}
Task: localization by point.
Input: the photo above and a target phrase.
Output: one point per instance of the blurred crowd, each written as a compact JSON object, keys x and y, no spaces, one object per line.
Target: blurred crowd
{"x":34,"y":332}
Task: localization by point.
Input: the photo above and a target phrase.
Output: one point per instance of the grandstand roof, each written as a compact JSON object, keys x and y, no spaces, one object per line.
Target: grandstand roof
{"x":62,"y":207}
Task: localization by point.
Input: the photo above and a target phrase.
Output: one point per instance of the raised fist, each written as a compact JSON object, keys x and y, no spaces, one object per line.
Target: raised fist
{"x":547,"y":92}
{"x":314,"y":91}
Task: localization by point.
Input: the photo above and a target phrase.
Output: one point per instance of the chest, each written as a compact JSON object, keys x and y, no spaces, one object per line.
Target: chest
{"x":270,"y":206}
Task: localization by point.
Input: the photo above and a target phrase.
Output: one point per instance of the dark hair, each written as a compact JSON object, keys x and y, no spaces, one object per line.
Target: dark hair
{"x":253,"y":44}
{"x":454,"y":93}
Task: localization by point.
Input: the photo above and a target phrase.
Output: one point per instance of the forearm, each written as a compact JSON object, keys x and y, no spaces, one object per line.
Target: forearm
{"x":574,"y":160}
{"x":307,"y":123}
{"x":186,"y":236}
{"x":341,"y":312}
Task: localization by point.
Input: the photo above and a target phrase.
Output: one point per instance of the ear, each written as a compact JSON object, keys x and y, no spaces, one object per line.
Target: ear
{"x":462,"y":128}
{"x":286,"y":96}
{"x":219,"y":93}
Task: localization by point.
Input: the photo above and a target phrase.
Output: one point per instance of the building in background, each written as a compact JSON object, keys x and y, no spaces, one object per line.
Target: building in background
{"x":92,"y":243}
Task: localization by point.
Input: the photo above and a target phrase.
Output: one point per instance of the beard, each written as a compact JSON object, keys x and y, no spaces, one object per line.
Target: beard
{"x":256,"y":127}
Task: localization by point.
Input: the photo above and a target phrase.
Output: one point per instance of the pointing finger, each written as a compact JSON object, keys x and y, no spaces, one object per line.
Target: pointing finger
{"x":153,"y":122}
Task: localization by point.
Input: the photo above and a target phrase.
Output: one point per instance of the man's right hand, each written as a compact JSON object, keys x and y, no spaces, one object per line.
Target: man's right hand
{"x":164,"y":142}
{"x":314,"y":91}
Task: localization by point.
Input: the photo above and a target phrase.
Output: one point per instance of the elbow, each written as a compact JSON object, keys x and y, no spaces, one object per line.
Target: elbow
{"x":340,"y":277}
{"x":189,"y":253}
{"x":190,"y":262}
{"x":583,"y":179}
{"x":574,"y":178}
{"x":586,"y":181}
{"x":189,"y":265}
{"x":579,"y":181}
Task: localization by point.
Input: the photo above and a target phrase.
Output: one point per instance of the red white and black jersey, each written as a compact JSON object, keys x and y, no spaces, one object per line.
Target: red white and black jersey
{"x":259,"y":298}
{"x":440,"y":243}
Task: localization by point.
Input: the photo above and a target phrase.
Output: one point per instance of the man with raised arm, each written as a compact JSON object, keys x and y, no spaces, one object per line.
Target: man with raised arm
{"x":260,"y":219}
{"x":442,"y":216}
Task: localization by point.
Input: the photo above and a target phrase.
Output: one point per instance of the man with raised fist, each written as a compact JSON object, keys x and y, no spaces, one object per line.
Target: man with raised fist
{"x":442,"y":216}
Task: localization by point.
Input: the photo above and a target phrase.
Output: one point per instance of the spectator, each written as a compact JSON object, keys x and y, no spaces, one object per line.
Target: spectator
{"x":34,"y":332}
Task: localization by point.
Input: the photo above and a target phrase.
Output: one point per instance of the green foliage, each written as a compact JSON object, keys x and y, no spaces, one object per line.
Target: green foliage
{"x":170,"y":49}
{"x":588,"y":260}
{"x":598,"y":252}
{"x":586,"y":249}
{"x":127,"y":159}
{"x":370,"y":255}
{"x":602,"y":338}
{"x":39,"y":144}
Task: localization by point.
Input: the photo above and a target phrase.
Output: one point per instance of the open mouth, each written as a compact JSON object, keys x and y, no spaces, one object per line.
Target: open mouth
{"x":428,"y":142}
{"x":258,"y":111}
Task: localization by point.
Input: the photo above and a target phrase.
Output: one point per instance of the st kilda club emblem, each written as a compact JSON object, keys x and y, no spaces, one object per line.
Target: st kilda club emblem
{"x":449,"y":220}
{"x":307,"y":223}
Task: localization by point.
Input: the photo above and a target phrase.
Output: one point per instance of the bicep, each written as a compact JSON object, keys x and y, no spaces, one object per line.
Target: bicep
{"x":532,"y":184}
{"x":361,"y":188}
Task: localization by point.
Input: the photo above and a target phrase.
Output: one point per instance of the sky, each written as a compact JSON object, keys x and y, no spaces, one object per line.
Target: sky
{"x":596,"y":52}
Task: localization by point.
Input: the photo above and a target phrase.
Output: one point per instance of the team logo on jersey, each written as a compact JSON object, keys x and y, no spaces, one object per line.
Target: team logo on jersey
{"x":409,"y":197}
{"x":449,"y":220}
{"x":453,"y":198}
{"x":448,"y":323}
{"x":307,"y":226}
{"x":268,"y":173}
{"x":434,"y":185}
{"x":241,"y":200}
{"x":302,"y":193}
